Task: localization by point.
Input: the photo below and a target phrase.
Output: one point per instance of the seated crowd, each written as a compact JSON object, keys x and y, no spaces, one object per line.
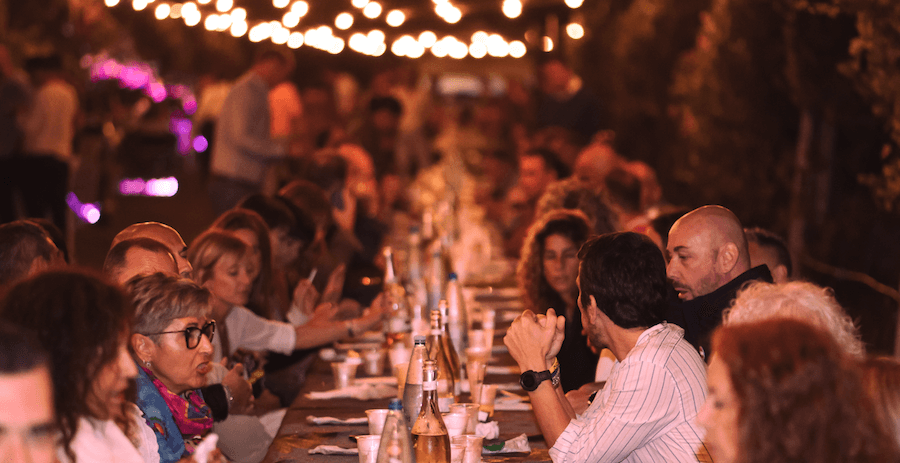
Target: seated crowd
{"x":678,"y":336}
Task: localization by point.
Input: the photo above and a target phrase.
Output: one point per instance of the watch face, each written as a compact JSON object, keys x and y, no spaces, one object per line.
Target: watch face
{"x":527,"y":381}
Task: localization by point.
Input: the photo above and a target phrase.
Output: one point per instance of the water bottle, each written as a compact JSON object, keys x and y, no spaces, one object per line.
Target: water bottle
{"x":395,"y":445}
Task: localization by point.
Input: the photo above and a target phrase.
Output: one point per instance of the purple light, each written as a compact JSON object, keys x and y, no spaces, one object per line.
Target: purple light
{"x":131,"y":186}
{"x":162,"y":187}
{"x":134,"y":78}
{"x":159,"y":187}
{"x":200,"y":144}
{"x":89,"y":212}
{"x":189,"y":104}
{"x":157,"y":91}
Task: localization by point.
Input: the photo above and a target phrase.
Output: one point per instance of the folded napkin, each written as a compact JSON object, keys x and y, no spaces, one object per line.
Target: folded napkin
{"x":358,"y":391}
{"x":517,"y":444}
{"x":488,"y":430}
{"x":320,"y":420}
{"x":333,"y":450}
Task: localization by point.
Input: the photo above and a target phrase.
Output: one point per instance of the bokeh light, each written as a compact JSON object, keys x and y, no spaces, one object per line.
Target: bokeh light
{"x":280,"y":36}
{"x":548,"y":44}
{"x":162,"y":11}
{"x":192,"y":18}
{"x":238,"y":14}
{"x":343,"y":21}
{"x":478,"y":50}
{"x":575,"y":31}
{"x":300,"y":7}
{"x":512,"y":8}
{"x":574,"y":3}
{"x":111,"y":3}
{"x":395,"y":18}
{"x":372,"y":10}
{"x":200,"y":144}
{"x":427,"y":39}
{"x":280,"y":3}
{"x":175,"y":11}
{"x":517,"y":49}
{"x":295,"y":40}
{"x":239,"y":28}
{"x":290,"y":19}
{"x":375,"y":36}
{"x":224,"y":22}
{"x":359,"y":3}
{"x":139,"y":5}
{"x":223,"y":6}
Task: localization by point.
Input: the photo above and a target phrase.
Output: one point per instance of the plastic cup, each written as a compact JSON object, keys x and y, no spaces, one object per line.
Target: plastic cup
{"x":368,"y":448}
{"x":398,"y":354}
{"x":471,"y":412}
{"x":376,"y":417}
{"x":457,"y":453}
{"x":473,"y":449}
{"x":456,"y":423}
{"x":475,"y":375}
{"x":344,"y":374}
{"x":400,"y":371}
{"x":373,"y":362}
{"x":488,"y":394}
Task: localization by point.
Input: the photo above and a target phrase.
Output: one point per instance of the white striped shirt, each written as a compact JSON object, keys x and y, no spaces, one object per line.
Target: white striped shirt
{"x":647,"y":411}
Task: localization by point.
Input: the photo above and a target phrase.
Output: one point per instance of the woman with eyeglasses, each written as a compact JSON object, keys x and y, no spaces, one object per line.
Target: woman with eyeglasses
{"x":83,"y":322}
{"x":172,"y":346}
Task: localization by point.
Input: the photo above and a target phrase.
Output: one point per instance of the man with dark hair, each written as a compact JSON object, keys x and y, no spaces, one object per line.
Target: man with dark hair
{"x":138,"y":256}
{"x":708,"y":263}
{"x":27,"y":422}
{"x":25,"y":249}
{"x":648,"y":408}
{"x":767,"y":248}
{"x":243,"y":146}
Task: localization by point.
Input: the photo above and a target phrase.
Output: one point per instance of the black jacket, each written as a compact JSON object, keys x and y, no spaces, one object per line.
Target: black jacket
{"x":701,"y":315}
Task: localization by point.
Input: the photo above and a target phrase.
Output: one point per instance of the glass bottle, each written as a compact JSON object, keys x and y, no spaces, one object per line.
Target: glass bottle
{"x":457,"y":317}
{"x":398,"y":317}
{"x":395,"y":445}
{"x":446,"y":381}
{"x":431,"y":441}
{"x":435,"y":275}
{"x":416,"y":278}
{"x":450,"y":349}
{"x":412,"y":390}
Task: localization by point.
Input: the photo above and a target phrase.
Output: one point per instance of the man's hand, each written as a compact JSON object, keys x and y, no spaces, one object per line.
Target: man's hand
{"x":240,"y":390}
{"x":532,"y":340}
{"x":324,"y":313}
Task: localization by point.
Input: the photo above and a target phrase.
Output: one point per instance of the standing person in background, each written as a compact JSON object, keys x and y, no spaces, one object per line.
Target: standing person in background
{"x":14,"y":95}
{"x":565,"y":102}
{"x":244,"y":147}
{"x":48,"y":130}
{"x":769,"y":249}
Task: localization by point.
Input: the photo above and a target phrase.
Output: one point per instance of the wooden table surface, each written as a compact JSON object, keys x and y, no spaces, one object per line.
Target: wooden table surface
{"x":296,"y":436}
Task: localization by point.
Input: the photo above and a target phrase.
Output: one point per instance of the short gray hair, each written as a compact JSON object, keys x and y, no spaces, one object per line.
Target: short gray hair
{"x":799,"y":300}
{"x":159,"y":299}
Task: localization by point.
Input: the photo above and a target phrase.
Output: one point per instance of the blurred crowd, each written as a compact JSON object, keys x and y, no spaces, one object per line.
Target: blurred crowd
{"x":174,"y":341}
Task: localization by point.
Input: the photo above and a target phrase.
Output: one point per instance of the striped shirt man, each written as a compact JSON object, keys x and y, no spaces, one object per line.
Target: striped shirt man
{"x":647,"y":411}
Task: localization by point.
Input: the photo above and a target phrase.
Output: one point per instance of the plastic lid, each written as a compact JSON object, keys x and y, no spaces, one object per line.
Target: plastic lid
{"x":453,"y":276}
{"x":396,"y":404}
{"x":419,"y":339}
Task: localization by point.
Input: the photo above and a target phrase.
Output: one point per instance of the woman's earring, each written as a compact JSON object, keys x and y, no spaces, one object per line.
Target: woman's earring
{"x":148,"y":364}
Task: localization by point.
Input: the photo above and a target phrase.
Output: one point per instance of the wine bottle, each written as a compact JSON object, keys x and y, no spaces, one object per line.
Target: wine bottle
{"x":436,"y":345}
{"x":431,"y":441}
{"x":450,"y":350}
{"x":398,"y":317}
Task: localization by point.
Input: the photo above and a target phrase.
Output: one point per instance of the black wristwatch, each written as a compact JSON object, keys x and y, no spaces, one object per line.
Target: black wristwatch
{"x":530,"y":380}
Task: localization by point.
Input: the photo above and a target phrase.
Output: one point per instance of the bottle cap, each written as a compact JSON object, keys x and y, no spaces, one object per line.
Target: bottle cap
{"x":419,"y":339}
{"x":396,"y":404}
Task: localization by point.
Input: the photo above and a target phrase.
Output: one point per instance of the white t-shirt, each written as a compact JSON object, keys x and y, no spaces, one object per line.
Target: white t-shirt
{"x":103,"y":441}
{"x":250,"y":331}
{"x":49,"y":125}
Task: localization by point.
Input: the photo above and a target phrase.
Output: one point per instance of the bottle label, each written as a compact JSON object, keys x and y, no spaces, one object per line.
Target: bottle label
{"x":429,"y":386}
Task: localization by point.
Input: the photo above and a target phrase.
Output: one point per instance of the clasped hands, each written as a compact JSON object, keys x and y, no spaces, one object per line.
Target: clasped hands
{"x":534,"y":340}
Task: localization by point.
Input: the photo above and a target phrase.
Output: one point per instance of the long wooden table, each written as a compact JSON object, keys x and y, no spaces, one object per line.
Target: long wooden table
{"x":296,"y":436}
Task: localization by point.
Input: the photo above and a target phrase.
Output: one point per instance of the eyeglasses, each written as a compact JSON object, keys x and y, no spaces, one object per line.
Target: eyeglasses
{"x":192,"y":334}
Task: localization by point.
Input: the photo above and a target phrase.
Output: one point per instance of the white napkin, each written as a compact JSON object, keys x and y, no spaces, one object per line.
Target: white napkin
{"x":518,"y":444}
{"x":333,"y":450}
{"x":359,"y":392}
{"x":488,"y":430}
{"x":320,"y":420}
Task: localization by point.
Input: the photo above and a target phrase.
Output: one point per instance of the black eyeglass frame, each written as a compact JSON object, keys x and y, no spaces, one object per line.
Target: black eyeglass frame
{"x":209,"y":329}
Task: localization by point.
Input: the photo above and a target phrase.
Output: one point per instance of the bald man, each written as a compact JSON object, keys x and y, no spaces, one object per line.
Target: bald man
{"x":708,"y":261}
{"x":164,"y":234}
{"x":138,"y":256}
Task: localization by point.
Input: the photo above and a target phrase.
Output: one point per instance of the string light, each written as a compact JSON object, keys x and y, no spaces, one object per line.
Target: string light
{"x":280,"y":36}
{"x":290,"y":19}
{"x":295,"y":40}
{"x":139,"y":5}
{"x":280,"y":3}
{"x":223,"y":6}
{"x":512,"y":8}
{"x":359,"y":3}
{"x":427,"y":39}
{"x":372,"y":10}
{"x":300,"y":8}
{"x":395,"y":18}
{"x":162,"y":11}
{"x":111,"y":3}
{"x":343,"y":21}
{"x":480,"y":37}
{"x":225,"y":21}
{"x":517,"y":49}
{"x":239,"y":14}
{"x":211,"y":22}
{"x":548,"y":44}
{"x":238,"y":29}
{"x":575,"y":31}
{"x":477,"y":50}
{"x":574,"y":3}
{"x":375,"y":36}
{"x":175,"y":11}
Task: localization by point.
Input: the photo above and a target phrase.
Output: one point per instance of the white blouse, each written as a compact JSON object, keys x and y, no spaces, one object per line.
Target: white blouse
{"x":103,"y":441}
